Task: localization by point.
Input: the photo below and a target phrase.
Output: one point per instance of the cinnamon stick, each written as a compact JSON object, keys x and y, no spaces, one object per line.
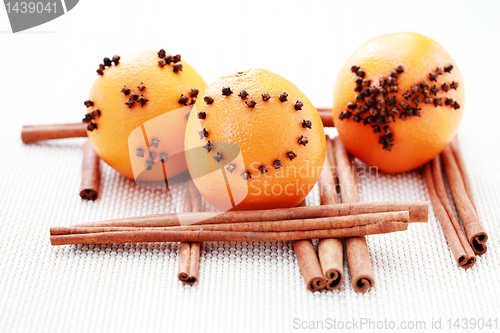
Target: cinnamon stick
{"x":330,"y":251}
{"x":194,"y":262}
{"x":473,"y":228}
{"x":91,"y":173}
{"x":322,"y":223}
{"x":33,"y":133}
{"x":358,"y":257}
{"x":456,"y":239}
{"x":457,"y":153}
{"x":185,"y":248}
{"x":223,"y":236}
{"x":418,"y":211}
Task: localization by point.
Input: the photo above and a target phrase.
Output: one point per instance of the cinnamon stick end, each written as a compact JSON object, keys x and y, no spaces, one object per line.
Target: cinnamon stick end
{"x":465,"y":262}
{"x":88,"y":194}
{"x":478,"y":244}
{"x":363,"y":284}
{"x":334,"y":279}
{"x":316,"y":284}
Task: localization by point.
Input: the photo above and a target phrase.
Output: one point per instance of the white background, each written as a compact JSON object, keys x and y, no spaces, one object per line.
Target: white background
{"x":45,"y":75}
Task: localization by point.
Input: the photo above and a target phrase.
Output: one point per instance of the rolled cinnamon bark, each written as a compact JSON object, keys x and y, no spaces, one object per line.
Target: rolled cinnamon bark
{"x":185,"y":248}
{"x":194,"y":262}
{"x":358,"y":257}
{"x":322,"y":223}
{"x":308,"y":262}
{"x":457,"y":153}
{"x":33,"y":133}
{"x":326,"y":116}
{"x":418,"y":211}
{"x":91,"y":173}
{"x":330,"y":251}
{"x":473,"y":228}
{"x":223,"y":236}
{"x":456,"y":238}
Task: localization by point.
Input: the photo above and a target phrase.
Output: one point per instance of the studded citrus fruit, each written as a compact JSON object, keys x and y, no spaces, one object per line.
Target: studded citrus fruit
{"x":254,"y":141}
{"x":137,"y":113}
{"x":398,"y":101}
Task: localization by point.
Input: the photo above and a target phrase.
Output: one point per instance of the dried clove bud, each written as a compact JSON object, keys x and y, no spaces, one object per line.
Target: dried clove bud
{"x":393,"y":88}
{"x":417,"y":100}
{"x":125,"y":91}
{"x":445,"y":87}
{"x":363,"y":108}
{"x":365,"y":92}
{"x":277,"y":164}
{"x":251,"y":103}
{"x":177,"y":67}
{"x":87,"y":119}
{"x":456,"y":105}
{"x":88,"y":103}
{"x":366,"y":83}
{"x":371,"y":101}
{"x":141,"y":87}
{"x":429,"y":100}
{"x":107,"y":62}
{"x":434,"y":90}
{"x":448,"y":68}
{"x":394,"y":74}
{"x":226,"y":91}
{"x":100,"y":72}
{"x":345,"y":115}
{"x":415,"y":90}
{"x":177,"y":58}
{"x":358,"y":88}
{"x":183,"y":100}
{"x":358,"y":80}
{"x":203,"y":133}
{"x":424,"y":85}
{"x":161,"y":53}
{"x":390,"y":119}
{"x":381,"y":120}
{"x":152,"y":155}
{"x":382,"y":81}
{"x":218,"y":157}
{"x":454,"y":85}
{"x":130,"y":103}
{"x":163,"y":157}
{"x":262,"y":169}
{"x":400,"y":68}
{"x":359,"y":98}
{"x":149,"y":165}
{"x":140,"y":152}
{"x":392,"y":81}
{"x":246,"y":175}
{"x":303,"y":140}
{"x":283,"y":96}
{"x":395,"y":110}
{"x":194,"y":93}
{"x":406,"y":95}
{"x":354,"y":68}
{"x":142,"y":100}
{"x":209,"y":146}
{"x":439,"y":70}
{"x":154,"y":143}
{"x":307,"y":124}
{"x":231,"y":167}
{"x":291,"y":155}
{"x":383,"y":92}
{"x":209,"y":100}
{"x":351,"y":105}
{"x":360,"y":73}
{"x":116,"y":59}
{"x":376,"y":129}
{"x":373,"y":91}
{"x":169,"y":59}
{"x":91,"y":127}
{"x":383,"y":112}
{"x":266,"y":96}
{"x":433,"y":76}
{"x":95,"y":113}
{"x":392,"y":100}
{"x":298,"y":105}
{"x":438,"y":101}
{"x":373,"y":111}
{"x":202,"y":115}
{"x":243,"y":94}
{"x":404,"y":105}
{"x":162,"y":62}
{"x":449,"y":101}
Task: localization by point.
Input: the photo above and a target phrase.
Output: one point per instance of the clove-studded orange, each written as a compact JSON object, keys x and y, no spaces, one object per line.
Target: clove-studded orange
{"x":254,"y":141}
{"x":137,"y":113}
{"x":398,"y":101}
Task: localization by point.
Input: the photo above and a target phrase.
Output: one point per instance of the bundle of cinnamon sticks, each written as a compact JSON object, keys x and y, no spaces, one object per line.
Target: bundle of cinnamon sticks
{"x":470,"y":241}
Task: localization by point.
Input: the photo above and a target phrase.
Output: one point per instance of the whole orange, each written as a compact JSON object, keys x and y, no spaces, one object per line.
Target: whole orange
{"x":398,"y":101}
{"x":137,"y":113}
{"x":254,"y":142}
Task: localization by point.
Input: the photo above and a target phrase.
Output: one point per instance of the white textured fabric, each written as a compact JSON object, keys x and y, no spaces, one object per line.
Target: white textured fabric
{"x":243,"y":287}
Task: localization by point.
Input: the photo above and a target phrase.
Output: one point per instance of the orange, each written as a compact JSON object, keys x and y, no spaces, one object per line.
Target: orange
{"x":135,"y":138}
{"x":268,"y":142}
{"x":420,"y":112}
